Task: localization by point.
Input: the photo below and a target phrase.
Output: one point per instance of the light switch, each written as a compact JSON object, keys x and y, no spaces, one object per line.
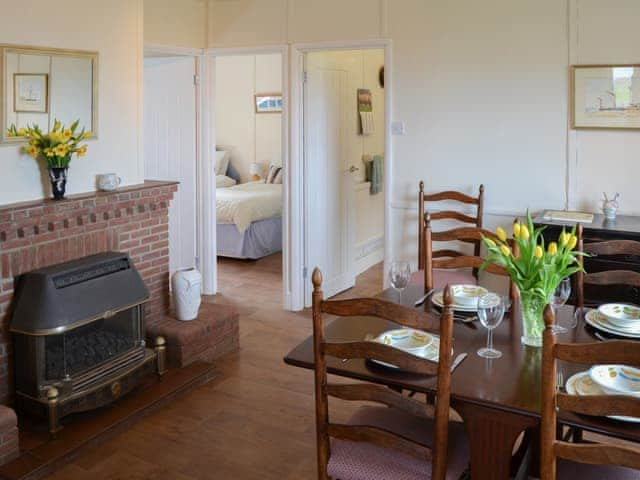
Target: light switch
{"x":397,"y":128}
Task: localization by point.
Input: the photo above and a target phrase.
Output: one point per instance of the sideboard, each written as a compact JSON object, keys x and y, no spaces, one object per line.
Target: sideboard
{"x":624,"y":227}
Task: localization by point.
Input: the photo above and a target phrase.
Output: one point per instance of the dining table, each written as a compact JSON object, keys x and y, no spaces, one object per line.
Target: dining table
{"x":497,"y":399}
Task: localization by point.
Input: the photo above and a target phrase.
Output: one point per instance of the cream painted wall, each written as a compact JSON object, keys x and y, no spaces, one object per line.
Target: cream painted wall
{"x":250,"y":137}
{"x":482,"y":88}
{"x":176,"y":24}
{"x":114,"y":29}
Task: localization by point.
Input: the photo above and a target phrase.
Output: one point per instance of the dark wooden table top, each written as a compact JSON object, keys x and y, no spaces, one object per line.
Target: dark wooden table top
{"x":510,"y":383}
{"x":621,"y":224}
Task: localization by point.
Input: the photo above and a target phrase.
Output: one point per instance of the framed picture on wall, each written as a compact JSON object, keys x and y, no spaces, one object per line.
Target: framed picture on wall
{"x":31,"y":92}
{"x":605,"y":96}
{"x":268,"y":102}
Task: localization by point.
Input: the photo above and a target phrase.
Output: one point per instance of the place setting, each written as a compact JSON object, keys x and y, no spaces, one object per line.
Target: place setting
{"x":613,"y":320}
{"x":606,"y":380}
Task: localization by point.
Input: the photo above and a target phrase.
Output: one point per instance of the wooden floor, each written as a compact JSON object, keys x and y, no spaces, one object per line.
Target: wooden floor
{"x":255,"y":421}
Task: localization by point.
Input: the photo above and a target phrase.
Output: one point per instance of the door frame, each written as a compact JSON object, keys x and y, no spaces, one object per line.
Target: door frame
{"x":292,"y":250}
{"x":205,"y":178}
{"x":302,"y":273}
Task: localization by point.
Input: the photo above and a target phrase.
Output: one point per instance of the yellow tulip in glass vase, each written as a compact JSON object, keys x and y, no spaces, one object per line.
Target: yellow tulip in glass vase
{"x":54,"y":148}
{"x":536,"y":269}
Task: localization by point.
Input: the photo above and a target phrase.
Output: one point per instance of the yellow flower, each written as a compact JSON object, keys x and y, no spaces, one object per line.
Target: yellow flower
{"x":490,"y":242}
{"x":48,"y":152}
{"x":573,"y":240}
{"x":563,"y":238}
{"x":31,"y":150}
{"x":55,"y":137}
{"x":502,"y":235}
{"x":524,"y":232}
{"x":67,"y":134}
{"x":82,"y":151}
{"x":22,"y":132}
{"x":516,"y":230}
{"x":505,"y":250}
{"x":537,"y":252}
{"x":85,"y":135}
{"x":57,"y":125}
{"x":553,"y":248}
{"x":60,"y":150}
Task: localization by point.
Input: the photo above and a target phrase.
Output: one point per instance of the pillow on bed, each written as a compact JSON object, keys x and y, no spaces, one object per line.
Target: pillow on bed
{"x":275,"y":173}
{"x":222,"y":181}
{"x":222,"y":162}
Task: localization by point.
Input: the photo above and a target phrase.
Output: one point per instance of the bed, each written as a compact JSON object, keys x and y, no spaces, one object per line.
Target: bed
{"x":249,"y":220}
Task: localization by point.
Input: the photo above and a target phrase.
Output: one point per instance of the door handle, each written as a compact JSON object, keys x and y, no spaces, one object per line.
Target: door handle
{"x":353,"y":169}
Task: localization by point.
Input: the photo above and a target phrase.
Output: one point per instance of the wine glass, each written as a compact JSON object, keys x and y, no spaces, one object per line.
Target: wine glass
{"x":490,"y":313}
{"x":559,"y":298}
{"x":399,"y":275}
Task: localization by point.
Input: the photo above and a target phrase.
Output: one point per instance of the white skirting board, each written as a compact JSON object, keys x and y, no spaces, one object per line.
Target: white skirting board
{"x":369,"y":253}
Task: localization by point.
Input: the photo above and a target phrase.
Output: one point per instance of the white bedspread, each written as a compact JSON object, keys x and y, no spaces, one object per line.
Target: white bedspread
{"x":248,"y":202}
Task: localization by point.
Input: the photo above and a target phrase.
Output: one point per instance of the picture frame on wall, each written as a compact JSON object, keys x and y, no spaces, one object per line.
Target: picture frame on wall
{"x":268,"y":102}
{"x":605,"y":97}
{"x":30,"y":92}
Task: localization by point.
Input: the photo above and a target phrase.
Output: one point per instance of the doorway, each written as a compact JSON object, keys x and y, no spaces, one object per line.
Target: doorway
{"x":250,"y":169}
{"x":344,"y":138}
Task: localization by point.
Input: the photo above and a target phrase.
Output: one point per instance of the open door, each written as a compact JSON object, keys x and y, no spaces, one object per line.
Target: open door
{"x":170,"y":147}
{"x":329,"y":185}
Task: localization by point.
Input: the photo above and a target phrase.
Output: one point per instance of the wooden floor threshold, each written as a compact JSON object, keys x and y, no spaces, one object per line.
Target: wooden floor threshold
{"x":41,"y":456}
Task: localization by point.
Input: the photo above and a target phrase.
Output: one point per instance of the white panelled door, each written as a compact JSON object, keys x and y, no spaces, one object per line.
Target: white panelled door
{"x":329,"y":190}
{"x":170,"y":147}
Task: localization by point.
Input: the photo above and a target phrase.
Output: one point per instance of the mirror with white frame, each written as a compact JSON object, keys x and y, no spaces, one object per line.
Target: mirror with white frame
{"x":41,"y":85}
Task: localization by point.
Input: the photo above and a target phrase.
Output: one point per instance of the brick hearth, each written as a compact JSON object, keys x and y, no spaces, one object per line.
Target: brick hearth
{"x":41,"y":233}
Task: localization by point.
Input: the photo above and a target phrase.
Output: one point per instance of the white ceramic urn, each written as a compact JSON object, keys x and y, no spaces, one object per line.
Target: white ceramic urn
{"x":187,"y":293}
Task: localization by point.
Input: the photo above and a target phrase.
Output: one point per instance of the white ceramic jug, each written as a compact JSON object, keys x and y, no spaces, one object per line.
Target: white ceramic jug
{"x":187,"y":293}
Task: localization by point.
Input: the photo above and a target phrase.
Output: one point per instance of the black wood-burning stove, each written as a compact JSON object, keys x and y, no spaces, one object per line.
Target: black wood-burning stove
{"x":78,"y":335}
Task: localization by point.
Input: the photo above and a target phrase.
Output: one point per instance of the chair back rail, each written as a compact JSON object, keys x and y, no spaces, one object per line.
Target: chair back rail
{"x":375,"y":307}
{"x":459,"y":261}
{"x":451,"y":196}
{"x":618,"y":351}
{"x":381,"y":395}
{"x":406,"y":317}
{"x":610,"y":277}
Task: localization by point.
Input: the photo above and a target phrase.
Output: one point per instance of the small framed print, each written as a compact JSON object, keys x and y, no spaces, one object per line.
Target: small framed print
{"x":605,"y":97}
{"x":268,"y":102}
{"x":31,"y":92}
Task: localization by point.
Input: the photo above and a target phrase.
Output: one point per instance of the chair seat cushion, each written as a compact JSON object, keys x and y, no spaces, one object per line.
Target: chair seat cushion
{"x":567,"y":470}
{"x":364,"y":461}
{"x":443,"y":277}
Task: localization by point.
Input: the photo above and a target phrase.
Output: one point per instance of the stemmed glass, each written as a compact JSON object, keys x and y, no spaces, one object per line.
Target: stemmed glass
{"x":399,"y":276}
{"x":559,"y":298}
{"x":490,"y":312}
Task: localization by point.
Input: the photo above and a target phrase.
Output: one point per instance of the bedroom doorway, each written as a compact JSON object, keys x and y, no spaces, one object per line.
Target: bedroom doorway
{"x":344,"y":137}
{"x":250,"y":171}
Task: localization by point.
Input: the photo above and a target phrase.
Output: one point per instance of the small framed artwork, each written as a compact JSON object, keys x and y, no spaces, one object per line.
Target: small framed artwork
{"x":605,"y":97}
{"x":268,"y":102}
{"x":30,"y":92}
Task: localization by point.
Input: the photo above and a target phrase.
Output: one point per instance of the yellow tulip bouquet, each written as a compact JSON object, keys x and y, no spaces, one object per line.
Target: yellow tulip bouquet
{"x":537,"y":271}
{"x":55,"y":147}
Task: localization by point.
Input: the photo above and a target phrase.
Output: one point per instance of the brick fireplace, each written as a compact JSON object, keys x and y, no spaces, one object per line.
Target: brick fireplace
{"x":134,"y":220}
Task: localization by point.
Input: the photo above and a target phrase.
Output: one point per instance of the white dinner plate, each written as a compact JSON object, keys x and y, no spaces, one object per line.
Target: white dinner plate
{"x":621,"y":315}
{"x":432,"y":352}
{"x":438,"y":301}
{"x":600,"y":322}
{"x":581,"y":384}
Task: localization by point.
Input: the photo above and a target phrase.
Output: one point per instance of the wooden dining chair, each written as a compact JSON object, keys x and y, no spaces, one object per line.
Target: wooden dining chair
{"x":404,"y":438}
{"x":610,"y":277}
{"x":469,"y":220}
{"x":442,"y":266}
{"x":584,"y":461}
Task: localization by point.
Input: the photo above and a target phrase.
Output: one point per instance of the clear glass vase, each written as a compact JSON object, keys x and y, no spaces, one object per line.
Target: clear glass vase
{"x":532,"y":321}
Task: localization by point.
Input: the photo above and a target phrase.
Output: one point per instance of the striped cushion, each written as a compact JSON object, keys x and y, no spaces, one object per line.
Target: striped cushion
{"x":272,"y":174}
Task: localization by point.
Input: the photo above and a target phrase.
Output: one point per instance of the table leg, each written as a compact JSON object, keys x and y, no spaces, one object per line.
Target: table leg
{"x":492,"y":435}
